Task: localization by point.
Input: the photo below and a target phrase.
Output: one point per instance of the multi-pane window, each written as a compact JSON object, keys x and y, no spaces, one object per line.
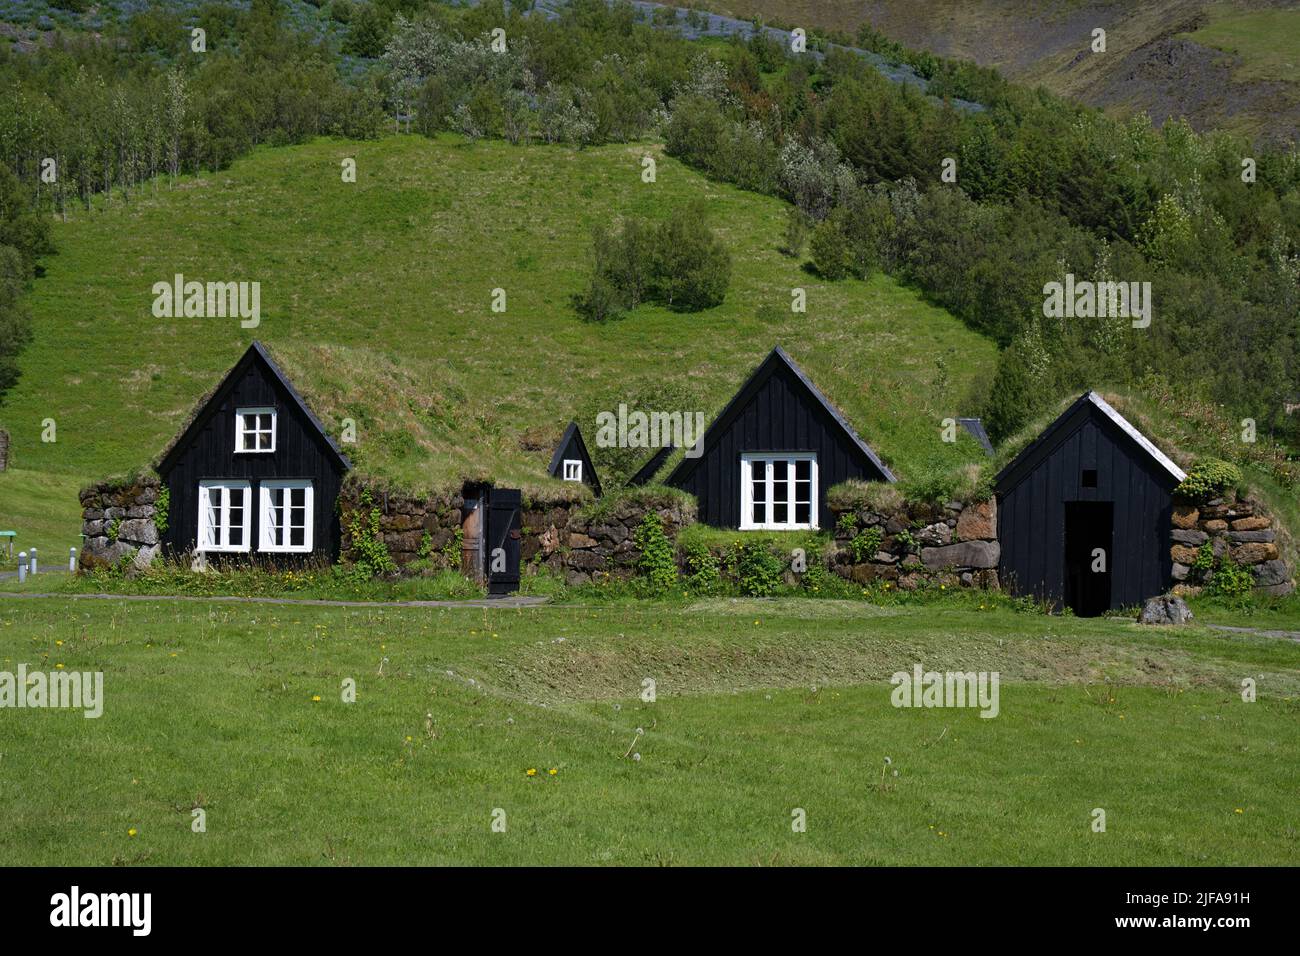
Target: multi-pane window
{"x":255,"y":429}
{"x":224,"y":515}
{"x":572,"y":469}
{"x":286,"y":516}
{"x":778,"y":491}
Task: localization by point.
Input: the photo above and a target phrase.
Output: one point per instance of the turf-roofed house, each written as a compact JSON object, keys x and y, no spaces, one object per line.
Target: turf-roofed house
{"x":767,"y":460}
{"x":1084,"y":512}
{"x":254,"y":472}
{"x":571,"y":462}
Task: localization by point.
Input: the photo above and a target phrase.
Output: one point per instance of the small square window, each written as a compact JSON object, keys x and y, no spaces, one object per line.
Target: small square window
{"x":572,"y":469}
{"x":1089,"y":478}
{"x":255,"y":429}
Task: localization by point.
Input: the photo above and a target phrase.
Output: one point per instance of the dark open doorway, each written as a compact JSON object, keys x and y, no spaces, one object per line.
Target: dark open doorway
{"x":1089,"y":529}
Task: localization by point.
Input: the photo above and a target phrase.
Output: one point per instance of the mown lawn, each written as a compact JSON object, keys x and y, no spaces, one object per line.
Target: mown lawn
{"x":762,"y":707}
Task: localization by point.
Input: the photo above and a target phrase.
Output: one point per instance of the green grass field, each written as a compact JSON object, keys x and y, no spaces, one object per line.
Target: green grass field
{"x":762,"y":707}
{"x":1268,"y":41}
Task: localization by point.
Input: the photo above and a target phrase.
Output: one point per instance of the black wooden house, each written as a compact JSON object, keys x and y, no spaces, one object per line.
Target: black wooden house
{"x":1084,"y":513}
{"x":254,"y":473}
{"x":571,"y":461}
{"x":769,"y":457}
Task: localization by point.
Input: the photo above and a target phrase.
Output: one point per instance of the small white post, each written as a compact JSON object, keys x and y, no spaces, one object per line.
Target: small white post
{"x":22,"y":566}
{"x":32,"y":569}
{"x":72,"y":560}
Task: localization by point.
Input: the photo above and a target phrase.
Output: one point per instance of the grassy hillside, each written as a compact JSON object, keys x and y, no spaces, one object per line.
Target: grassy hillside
{"x":1222,"y":65}
{"x":376,"y":296}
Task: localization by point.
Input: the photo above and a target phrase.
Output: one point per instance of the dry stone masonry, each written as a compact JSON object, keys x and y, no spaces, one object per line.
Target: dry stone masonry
{"x":118,"y":520}
{"x":952,"y":544}
{"x":1238,"y":528}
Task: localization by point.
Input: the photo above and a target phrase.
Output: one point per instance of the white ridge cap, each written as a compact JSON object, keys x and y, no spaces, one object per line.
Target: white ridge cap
{"x":1136,"y":435}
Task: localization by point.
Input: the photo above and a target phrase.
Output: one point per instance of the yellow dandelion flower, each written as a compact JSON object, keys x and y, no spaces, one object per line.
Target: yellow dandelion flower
{"x":56,"y":643}
{"x":553,"y":771}
{"x":531,"y":771}
{"x":58,"y":667}
{"x":1239,"y":810}
{"x":131,"y":832}
{"x":316,"y":699}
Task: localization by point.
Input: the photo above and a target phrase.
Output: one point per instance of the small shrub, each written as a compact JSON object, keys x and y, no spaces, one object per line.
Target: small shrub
{"x":1209,"y":478}
{"x":161,"y":507}
{"x":866,"y":543}
{"x":704,"y":570}
{"x":657,"y":565}
{"x":757,"y":570}
{"x":370,"y":554}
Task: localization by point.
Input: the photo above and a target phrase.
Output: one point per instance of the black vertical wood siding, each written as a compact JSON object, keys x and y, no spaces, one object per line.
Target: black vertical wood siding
{"x":300,"y":452}
{"x":780,"y":417}
{"x":1031,"y":511}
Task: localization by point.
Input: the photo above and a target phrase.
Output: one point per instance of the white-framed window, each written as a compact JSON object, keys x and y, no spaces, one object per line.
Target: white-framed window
{"x":225,"y":508}
{"x":254,"y":429}
{"x":572,"y":469}
{"x":778,"y":491}
{"x":286,"y":516}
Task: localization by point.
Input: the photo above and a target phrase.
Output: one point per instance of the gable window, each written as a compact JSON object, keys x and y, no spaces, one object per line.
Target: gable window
{"x":572,"y":469}
{"x":286,"y":516}
{"x":224,"y":515}
{"x":778,"y":492}
{"x":254,"y":429}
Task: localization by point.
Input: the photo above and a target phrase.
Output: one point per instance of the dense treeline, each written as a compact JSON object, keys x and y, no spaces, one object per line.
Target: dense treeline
{"x":1043,"y":188}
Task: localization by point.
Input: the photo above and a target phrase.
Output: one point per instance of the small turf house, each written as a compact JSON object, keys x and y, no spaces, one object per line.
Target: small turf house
{"x":571,"y":461}
{"x":1084,"y":512}
{"x":254,"y":472}
{"x":767,"y":460}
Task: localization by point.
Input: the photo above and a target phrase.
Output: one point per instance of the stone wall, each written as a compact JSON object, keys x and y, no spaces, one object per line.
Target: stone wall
{"x":4,"y":449}
{"x":1239,"y":528}
{"x":412,"y":527}
{"x":953,"y":544}
{"x":573,"y":538}
{"x":585,"y":545}
{"x":118,"y":519}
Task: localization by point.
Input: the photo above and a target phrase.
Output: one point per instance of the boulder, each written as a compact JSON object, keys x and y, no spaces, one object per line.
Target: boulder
{"x":1180,"y":571}
{"x":573,"y":577}
{"x":1182,"y":554}
{"x":978,"y":521}
{"x":1256,"y":523}
{"x":883,"y":557}
{"x":964,"y":554}
{"x":577,"y":540}
{"x":1166,"y":609}
{"x":1254,"y":553}
{"x":1193,"y":539}
{"x":139,"y":531}
{"x":935,"y":535}
{"x":1216,"y":525}
{"x":862,"y":573}
{"x":1271,"y":573}
{"x":1185,"y":516}
{"x":1256,"y":537}
{"x":1276,"y":590}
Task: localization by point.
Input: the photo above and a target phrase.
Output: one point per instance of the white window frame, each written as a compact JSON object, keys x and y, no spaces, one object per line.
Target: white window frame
{"x":266,"y":525}
{"x":222,"y":535}
{"x":241,"y":431}
{"x":747,"y":463}
{"x":571,"y":470}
